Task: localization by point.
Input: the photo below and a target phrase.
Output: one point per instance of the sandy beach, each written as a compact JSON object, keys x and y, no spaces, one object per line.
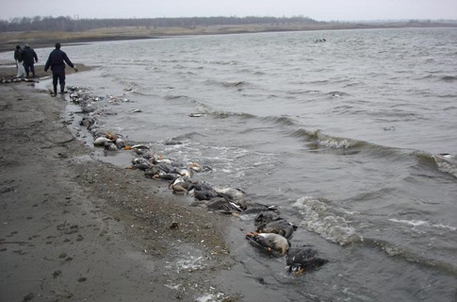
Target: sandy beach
{"x":76,"y":229}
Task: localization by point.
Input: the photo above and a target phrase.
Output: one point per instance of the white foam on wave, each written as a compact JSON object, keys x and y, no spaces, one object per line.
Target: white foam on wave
{"x":233,"y":161}
{"x":319,"y":218}
{"x":208,"y":109}
{"x":414,"y":223}
{"x":335,"y":142}
{"x":446,"y":165}
{"x":417,"y":223}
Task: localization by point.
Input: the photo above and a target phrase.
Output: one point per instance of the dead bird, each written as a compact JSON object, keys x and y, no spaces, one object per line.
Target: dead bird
{"x":266,"y":217}
{"x":161,"y":160}
{"x":256,"y":208}
{"x":140,"y":163}
{"x":102,"y":142}
{"x":236,"y":195}
{"x":270,"y":242}
{"x":304,"y":258}
{"x":181,"y":185}
{"x":281,"y":227}
{"x":139,"y":149}
{"x":207,"y":194}
{"x":223,"y":205}
{"x":189,"y":171}
{"x":155,"y":172}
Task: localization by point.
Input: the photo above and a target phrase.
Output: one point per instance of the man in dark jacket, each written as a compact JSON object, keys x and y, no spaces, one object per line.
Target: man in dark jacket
{"x":57,"y":59}
{"x":29,"y":57}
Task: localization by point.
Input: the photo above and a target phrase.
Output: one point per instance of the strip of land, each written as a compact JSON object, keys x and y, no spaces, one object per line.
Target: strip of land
{"x":37,"y":39}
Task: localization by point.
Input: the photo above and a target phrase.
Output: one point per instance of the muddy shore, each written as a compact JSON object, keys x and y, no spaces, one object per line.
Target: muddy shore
{"x":76,"y":229}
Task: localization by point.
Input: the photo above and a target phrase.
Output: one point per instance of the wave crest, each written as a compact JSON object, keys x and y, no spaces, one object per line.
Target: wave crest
{"x":319,"y":218}
{"x":336,"y":142}
{"x":205,"y":108}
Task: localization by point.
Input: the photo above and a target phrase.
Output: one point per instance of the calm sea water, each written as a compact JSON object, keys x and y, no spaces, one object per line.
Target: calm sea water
{"x":342,"y":135}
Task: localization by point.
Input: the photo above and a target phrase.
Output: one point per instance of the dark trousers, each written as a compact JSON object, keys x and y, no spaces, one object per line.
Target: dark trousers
{"x":29,"y":68}
{"x":58,"y":75}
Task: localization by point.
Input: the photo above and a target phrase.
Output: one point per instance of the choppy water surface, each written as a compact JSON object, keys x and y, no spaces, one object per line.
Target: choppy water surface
{"x":341,"y":135}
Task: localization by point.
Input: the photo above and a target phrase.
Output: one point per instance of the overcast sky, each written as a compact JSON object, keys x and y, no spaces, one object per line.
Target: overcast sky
{"x":321,"y":10}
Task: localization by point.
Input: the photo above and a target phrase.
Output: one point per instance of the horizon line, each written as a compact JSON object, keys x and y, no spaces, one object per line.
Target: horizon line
{"x":76,"y":17}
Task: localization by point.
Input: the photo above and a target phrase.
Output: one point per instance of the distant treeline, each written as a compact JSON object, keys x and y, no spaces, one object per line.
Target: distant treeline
{"x":76,"y":24}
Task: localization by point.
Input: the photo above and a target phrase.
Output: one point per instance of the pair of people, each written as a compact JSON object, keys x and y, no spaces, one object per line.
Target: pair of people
{"x":25,"y":61}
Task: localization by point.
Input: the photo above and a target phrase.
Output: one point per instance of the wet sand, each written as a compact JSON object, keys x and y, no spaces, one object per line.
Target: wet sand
{"x":76,"y":229}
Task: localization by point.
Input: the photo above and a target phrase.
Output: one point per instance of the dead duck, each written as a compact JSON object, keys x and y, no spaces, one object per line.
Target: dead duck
{"x":139,"y":149}
{"x":304,"y":258}
{"x":178,"y":186}
{"x":166,"y":168}
{"x":272,"y":243}
{"x":265,"y":217}
{"x":102,"y":142}
{"x":204,"y":194}
{"x":119,"y":142}
{"x":155,"y":172}
{"x":236,"y":195}
{"x":181,"y":185}
{"x":281,"y":227}
{"x":140,"y":163}
{"x":105,"y":143}
{"x":223,"y":205}
{"x":256,"y":208}
{"x":189,"y":171}
{"x":161,"y":159}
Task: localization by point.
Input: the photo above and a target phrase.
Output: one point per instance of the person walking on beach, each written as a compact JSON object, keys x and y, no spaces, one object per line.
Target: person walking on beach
{"x":30,"y":58}
{"x":19,"y":66}
{"x":57,"y":59}
{"x":18,"y":55}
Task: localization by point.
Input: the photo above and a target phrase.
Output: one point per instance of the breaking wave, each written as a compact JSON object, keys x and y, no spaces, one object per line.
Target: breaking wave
{"x":318,"y":217}
{"x":328,"y":140}
{"x":444,"y":163}
{"x":207,"y":109}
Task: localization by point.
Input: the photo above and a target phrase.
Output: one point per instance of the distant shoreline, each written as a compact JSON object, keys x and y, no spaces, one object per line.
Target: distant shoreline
{"x":40,"y":39}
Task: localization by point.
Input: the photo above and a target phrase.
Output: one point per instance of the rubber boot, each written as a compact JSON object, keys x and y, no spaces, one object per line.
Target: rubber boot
{"x":62,"y":89}
{"x":55,"y":90}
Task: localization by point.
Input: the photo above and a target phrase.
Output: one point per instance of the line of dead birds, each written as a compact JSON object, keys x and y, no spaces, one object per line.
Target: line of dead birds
{"x":4,"y":80}
{"x":272,"y":233}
